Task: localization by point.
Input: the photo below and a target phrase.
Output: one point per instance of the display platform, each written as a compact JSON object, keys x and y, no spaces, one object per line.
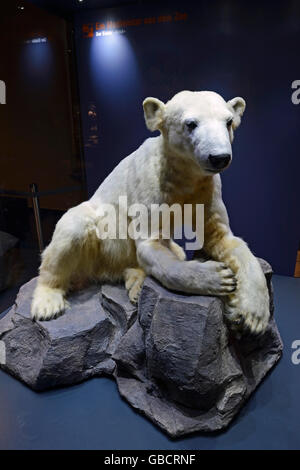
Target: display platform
{"x":92,"y":416}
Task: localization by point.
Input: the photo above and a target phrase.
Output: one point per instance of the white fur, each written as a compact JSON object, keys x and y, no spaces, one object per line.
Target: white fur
{"x":173,"y":167}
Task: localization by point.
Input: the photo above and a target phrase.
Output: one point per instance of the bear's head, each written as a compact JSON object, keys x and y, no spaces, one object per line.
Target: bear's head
{"x":197,"y":125}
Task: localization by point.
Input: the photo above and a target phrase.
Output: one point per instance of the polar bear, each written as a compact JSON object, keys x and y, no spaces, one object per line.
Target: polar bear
{"x":182,"y":164}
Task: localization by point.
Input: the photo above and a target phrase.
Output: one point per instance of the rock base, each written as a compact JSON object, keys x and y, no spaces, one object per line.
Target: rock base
{"x":173,"y":358}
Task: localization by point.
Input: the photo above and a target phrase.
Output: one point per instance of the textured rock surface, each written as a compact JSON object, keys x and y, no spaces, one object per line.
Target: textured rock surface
{"x":74,"y":347}
{"x":174,"y":360}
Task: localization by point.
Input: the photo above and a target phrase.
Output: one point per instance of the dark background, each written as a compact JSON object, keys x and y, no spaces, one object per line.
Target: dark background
{"x":38,"y":132}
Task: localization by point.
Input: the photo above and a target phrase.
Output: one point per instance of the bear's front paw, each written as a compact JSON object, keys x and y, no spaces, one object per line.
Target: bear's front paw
{"x":248,"y":311}
{"x":47,"y":303}
{"x":217,"y":279}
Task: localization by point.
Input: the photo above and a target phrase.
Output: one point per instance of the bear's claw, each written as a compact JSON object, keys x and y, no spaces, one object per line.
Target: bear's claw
{"x":48,"y":303}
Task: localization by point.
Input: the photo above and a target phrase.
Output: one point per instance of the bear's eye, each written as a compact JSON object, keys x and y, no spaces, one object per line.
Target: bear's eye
{"x":191,"y":125}
{"x":229,"y":123}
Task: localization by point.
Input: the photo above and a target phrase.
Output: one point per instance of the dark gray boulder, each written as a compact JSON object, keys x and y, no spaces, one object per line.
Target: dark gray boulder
{"x":64,"y":351}
{"x":174,"y":359}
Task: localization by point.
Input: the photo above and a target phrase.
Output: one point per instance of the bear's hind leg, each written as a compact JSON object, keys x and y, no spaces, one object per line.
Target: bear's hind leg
{"x":48,"y":302}
{"x":65,"y":257}
{"x":134,"y":279}
{"x":59,"y":262}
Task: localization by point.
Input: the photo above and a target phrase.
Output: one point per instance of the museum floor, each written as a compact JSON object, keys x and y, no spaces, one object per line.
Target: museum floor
{"x":92,"y":415}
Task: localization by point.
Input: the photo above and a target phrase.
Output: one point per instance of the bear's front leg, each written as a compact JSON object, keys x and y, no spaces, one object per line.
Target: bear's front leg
{"x":160,"y":259}
{"x":248,"y":307}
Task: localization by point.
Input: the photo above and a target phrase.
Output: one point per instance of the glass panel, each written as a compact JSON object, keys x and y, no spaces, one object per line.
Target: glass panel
{"x":39,"y":135}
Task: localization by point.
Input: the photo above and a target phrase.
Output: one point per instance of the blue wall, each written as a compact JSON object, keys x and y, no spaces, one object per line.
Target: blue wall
{"x":234,"y":48}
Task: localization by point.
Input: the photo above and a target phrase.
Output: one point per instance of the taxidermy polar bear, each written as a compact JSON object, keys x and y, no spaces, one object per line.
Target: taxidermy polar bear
{"x":181,"y":165}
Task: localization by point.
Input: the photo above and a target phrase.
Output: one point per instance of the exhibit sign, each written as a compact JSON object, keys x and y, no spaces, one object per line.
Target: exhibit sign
{"x":104,"y":28}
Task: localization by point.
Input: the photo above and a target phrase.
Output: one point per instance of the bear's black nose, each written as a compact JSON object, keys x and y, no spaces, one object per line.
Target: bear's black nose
{"x":219,"y":161}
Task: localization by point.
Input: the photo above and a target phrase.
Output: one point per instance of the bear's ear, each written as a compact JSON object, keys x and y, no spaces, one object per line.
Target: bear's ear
{"x":237,"y":106}
{"x":154,"y":112}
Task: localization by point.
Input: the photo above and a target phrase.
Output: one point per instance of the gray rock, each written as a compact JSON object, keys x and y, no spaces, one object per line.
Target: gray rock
{"x":74,"y":347}
{"x":174,"y":360}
